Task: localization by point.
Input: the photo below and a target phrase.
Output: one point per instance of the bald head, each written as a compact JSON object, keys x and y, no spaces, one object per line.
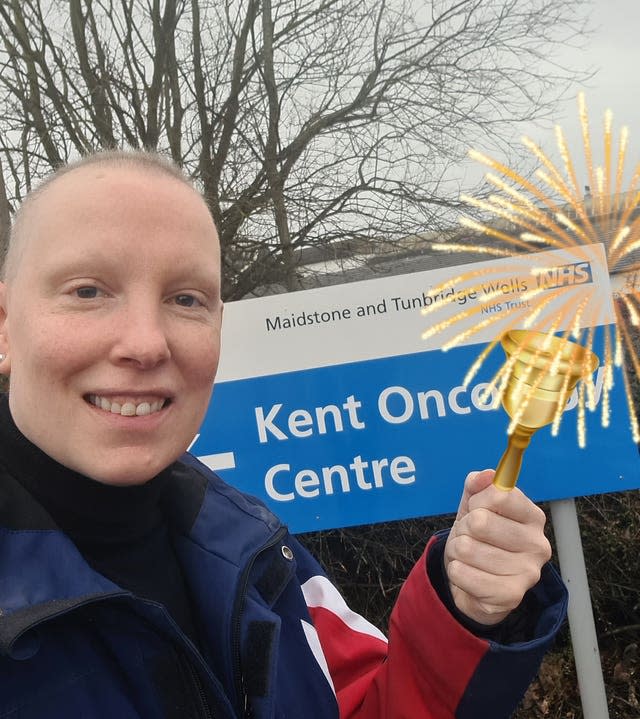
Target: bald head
{"x":149,"y":162}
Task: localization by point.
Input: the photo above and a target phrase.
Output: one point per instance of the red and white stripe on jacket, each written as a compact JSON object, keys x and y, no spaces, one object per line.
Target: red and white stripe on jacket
{"x":421,"y":672}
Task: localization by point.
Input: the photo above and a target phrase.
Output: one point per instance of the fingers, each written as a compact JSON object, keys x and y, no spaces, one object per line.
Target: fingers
{"x":495,"y":560}
{"x":479,"y":596}
{"x":474,"y":483}
{"x":498,"y":560}
{"x":505,"y":594}
{"x":480,"y":492}
{"x":514,"y":504}
{"x":496,"y":549}
{"x":485,"y":525}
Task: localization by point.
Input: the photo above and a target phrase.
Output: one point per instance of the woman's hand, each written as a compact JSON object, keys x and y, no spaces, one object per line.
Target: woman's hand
{"x":496,"y":549}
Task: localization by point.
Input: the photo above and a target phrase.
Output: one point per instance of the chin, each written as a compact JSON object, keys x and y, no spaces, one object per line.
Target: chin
{"x":130,"y":475}
{"x":130,"y":480}
{"x":127,"y":466}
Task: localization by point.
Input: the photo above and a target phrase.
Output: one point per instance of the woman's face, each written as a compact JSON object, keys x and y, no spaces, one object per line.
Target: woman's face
{"x":111,"y":321}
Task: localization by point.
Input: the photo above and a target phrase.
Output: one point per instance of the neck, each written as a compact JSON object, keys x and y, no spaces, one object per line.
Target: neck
{"x":83,"y":508}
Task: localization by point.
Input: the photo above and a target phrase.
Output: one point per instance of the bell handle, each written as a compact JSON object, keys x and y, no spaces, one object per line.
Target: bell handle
{"x":509,"y":466}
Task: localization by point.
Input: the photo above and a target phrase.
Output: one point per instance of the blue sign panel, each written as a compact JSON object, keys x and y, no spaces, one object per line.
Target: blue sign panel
{"x":394,"y":437}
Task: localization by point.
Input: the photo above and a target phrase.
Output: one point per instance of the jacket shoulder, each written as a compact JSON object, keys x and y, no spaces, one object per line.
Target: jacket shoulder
{"x":198,"y":490}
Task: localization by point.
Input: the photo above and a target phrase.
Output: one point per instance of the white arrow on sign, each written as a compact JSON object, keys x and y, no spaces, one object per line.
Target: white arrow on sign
{"x":220,"y":461}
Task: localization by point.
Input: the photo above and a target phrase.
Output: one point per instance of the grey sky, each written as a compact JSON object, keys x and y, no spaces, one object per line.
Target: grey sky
{"x":615,"y":50}
{"x":614,"y":53}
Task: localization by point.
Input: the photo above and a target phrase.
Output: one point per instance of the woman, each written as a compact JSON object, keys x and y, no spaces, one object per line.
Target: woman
{"x":136,"y":584}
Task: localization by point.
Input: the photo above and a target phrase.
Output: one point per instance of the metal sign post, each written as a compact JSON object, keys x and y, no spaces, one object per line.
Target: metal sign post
{"x":581,"y":623}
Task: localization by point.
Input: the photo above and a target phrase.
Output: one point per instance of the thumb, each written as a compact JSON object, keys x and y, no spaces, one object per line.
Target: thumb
{"x":474,"y":483}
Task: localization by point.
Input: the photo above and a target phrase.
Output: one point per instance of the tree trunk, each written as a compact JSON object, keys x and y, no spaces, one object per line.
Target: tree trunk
{"x":5,"y":215}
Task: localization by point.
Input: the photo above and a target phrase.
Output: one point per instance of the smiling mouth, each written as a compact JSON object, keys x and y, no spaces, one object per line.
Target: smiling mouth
{"x":127,"y":407}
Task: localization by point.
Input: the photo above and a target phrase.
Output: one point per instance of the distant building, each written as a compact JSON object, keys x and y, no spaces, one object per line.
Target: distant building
{"x":354,"y":260}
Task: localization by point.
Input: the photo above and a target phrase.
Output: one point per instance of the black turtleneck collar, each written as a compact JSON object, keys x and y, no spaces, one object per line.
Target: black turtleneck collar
{"x":86,"y":510}
{"x":120,"y":531}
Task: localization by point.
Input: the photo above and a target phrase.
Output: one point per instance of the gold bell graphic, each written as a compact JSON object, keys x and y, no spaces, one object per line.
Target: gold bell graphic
{"x":545,"y":369}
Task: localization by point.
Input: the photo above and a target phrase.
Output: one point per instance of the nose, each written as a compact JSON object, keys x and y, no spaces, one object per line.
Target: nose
{"x":141,"y":339}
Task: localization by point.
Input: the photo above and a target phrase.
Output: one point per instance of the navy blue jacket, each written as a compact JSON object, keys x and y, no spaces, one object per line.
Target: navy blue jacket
{"x":276,"y":639}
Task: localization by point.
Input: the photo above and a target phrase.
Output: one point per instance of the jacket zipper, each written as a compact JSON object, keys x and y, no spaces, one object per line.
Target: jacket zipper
{"x":243,"y":699}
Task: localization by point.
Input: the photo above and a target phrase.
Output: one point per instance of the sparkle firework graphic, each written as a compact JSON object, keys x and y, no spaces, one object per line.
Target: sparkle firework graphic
{"x":553,"y":212}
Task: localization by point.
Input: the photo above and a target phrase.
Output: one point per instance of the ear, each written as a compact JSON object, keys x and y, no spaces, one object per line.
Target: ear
{"x":5,"y":361}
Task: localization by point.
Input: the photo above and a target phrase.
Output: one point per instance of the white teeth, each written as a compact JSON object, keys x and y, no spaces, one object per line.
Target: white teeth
{"x":126,"y":409}
{"x":143,"y":408}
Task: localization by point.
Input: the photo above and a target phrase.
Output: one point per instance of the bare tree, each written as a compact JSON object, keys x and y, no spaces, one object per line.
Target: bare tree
{"x":303,"y":121}
{"x":5,"y":215}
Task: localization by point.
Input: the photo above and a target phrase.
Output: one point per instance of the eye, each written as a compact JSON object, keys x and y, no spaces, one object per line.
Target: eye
{"x":186,"y":300}
{"x":87,"y":293}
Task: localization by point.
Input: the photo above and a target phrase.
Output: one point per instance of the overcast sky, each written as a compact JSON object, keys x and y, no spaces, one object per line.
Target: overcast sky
{"x":614,"y":53}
